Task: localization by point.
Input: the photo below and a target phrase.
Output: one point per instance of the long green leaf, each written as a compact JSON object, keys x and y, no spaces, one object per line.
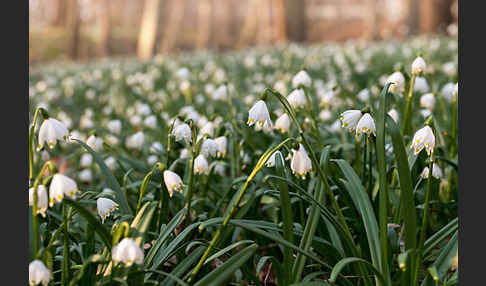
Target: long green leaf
{"x":348,"y":260}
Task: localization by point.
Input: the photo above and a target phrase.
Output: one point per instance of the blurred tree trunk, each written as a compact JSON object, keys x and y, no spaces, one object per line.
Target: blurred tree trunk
{"x":148,"y":29}
{"x":295,"y":20}
{"x":433,"y":13}
{"x":105,"y":28}
{"x":264,"y":31}
{"x":61,"y":13}
{"x":73,"y":28}
{"x":374,"y":19}
{"x":249,"y":25}
{"x":414,"y":16}
{"x":171,"y":29}
{"x":204,"y":23}
{"x":280,"y":35}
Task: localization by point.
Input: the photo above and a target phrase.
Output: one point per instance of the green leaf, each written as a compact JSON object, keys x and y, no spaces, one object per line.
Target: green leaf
{"x":142,"y":221}
{"x":227,"y":249}
{"x":440,"y":235}
{"x":346,"y":261}
{"x":110,"y":179}
{"x":183,"y":266}
{"x":219,"y":275}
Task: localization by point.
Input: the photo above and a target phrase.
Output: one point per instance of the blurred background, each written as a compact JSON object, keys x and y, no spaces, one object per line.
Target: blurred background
{"x":88,"y":29}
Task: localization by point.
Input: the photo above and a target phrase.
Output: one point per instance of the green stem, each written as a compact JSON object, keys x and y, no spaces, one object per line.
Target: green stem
{"x":407,"y":122}
{"x":190,"y":188}
{"x":65,"y":262}
{"x":31,"y":141}
{"x":145,"y":182}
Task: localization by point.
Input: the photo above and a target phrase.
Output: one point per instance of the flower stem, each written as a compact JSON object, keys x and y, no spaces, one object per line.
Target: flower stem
{"x":407,"y":122}
{"x":31,"y":141}
{"x":65,"y":264}
{"x":146,"y":181}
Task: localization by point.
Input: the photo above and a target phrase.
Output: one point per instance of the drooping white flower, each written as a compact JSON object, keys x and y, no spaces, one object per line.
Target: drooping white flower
{"x":283,"y":123}
{"x":85,"y":176}
{"x":110,"y":163}
{"x":398,"y":81}
{"x":259,"y":114}
{"x":425,"y":113}
{"x":366,"y":125}
{"x":327,"y":97}
{"x":272,"y":160}
{"x":222,"y":143}
{"x":135,"y":120}
{"x":201,"y":165}
{"x":41,"y":199}
{"x":50,"y":131}
{"x":135,"y":141}
{"x":95,"y":143}
{"x":418,"y":66}
{"x":156,"y":147}
{"x":86,"y":160}
{"x":221,"y":93}
{"x":61,"y":185}
{"x":182,"y":132}
{"x":105,"y":207}
{"x":428,"y":101}
{"x":421,"y":85}
{"x":325,"y":115}
{"x":436,"y":172}
{"x":447,"y":91}
{"x":128,"y":252}
{"x":183,"y":73}
{"x":185,"y":153}
{"x":423,"y":138}
{"x":219,"y":169}
{"x":350,"y":119}
{"x":38,"y":273}
{"x":364,"y":95}
{"x":301,"y":163}
{"x":394,"y":115}
{"x":209,"y":148}
{"x":302,"y":78}
{"x":143,"y":108}
{"x":114,"y":126}
{"x":208,"y":129}
{"x":297,"y":98}
{"x":150,"y":121}
{"x":152,"y":159}
{"x":173,"y":182}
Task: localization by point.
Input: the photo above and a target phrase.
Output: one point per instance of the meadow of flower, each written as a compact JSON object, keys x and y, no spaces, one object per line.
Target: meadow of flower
{"x":331,"y":164}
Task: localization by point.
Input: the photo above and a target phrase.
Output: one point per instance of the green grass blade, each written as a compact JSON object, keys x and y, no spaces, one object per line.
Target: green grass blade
{"x":346,"y":261}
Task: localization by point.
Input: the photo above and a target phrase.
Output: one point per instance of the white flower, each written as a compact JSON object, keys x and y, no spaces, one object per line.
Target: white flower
{"x":50,"y":131}
{"x":209,"y":148}
{"x":325,"y":115}
{"x":152,"y":159}
{"x":364,"y":94}
{"x":219,"y":169}
{"x":151,"y":121}
{"x":114,"y":126}
{"x":173,"y":182}
{"x":105,"y":208}
{"x":428,"y":101}
{"x":366,"y":125}
{"x":283,"y":123}
{"x":394,"y":115}
{"x":301,"y":163}
{"x":156,"y":147}
{"x":418,"y":66}
{"x":95,"y":143}
{"x":128,"y":252}
{"x":135,"y":120}
{"x":350,"y":119}
{"x":423,"y":138}
{"x":301,"y":78}
{"x":221,"y":93}
{"x":327,"y":97}
{"x":142,"y":108}
{"x":61,"y":185}
{"x":208,"y":129}
{"x":183,"y":73}
{"x":447,"y":91}
{"x":259,"y":114}
{"x":398,"y":81}
{"x":135,"y":141}
{"x":421,"y":85}
{"x":436,"y":172}
{"x":110,"y":163}
{"x":38,"y":273}
{"x":182,"y":132}
{"x":222,"y":142}
{"x":185,"y":153}
{"x":41,"y":199}
{"x":86,"y":160}
{"x":85,"y":176}
{"x":297,"y":98}
{"x":201,"y":165}
{"x":272,"y":160}
{"x":425,"y":112}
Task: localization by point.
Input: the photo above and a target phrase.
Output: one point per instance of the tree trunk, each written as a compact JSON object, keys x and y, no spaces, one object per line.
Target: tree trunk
{"x":249,"y":25}
{"x":169,"y":37}
{"x":73,"y":28}
{"x":295,"y":20}
{"x":105,"y":28}
{"x":204,"y":23}
{"x":280,"y":35}
{"x":148,"y":29}
{"x":414,"y":16}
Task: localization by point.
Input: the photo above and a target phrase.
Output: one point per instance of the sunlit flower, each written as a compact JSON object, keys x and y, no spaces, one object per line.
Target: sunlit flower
{"x":61,"y":185}
{"x":436,"y":172}
{"x":50,"y":131}
{"x":301,"y":163}
{"x":85,"y":176}
{"x":421,"y":85}
{"x":41,"y":199}
{"x":398,"y":81}
{"x":364,"y":95}
{"x":105,"y":207}
{"x":283,"y":123}
{"x":428,"y":101}
{"x":208,"y":129}
{"x":423,"y":138}
{"x":297,"y":98}
{"x":366,"y":125}
{"x":114,"y":126}
{"x":394,"y":115}
{"x":156,"y":147}
{"x":222,"y":143}
{"x":185,"y":153}
{"x":38,"y":273}
{"x":272,"y":160}
{"x":350,"y":119}
{"x":86,"y":160}
{"x":221,"y":93}
{"x":418,"y":66}
{"x":135,"y":141}
{"x":219,"y":169}
{"x":95,"y":143}
{"x":173,"y":182}
{"x":152,"y":159}
{"x":259,"y":114}
{"x":209,"y":148}
{"x":127,"y":252}
{"x":302,"y":78}
{"x":150,"y":121}
{"x":182,"y":132}
{"x":110,"y":163}
{"x":201,"y":165}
